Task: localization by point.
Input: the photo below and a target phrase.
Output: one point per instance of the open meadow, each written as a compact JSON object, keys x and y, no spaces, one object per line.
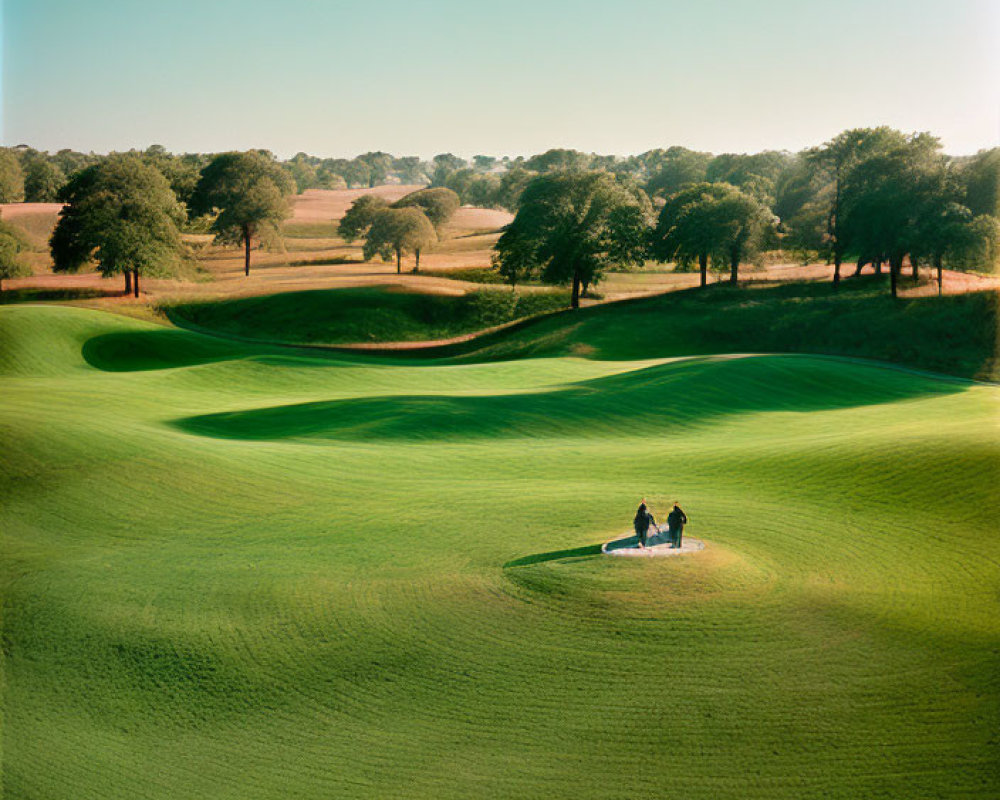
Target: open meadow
{"x":241,"y":570}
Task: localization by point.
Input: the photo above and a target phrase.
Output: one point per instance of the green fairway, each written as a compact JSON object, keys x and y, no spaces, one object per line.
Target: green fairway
{"x":234,"y":570}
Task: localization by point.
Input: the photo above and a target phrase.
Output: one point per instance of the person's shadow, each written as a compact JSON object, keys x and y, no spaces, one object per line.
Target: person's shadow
{"x":632,"y":542}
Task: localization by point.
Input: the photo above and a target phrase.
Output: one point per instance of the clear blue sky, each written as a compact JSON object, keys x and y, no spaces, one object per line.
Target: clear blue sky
{"x":339,"y":77}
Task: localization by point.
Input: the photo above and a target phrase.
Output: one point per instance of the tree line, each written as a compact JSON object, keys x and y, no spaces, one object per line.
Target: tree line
{"x":876,"y":195}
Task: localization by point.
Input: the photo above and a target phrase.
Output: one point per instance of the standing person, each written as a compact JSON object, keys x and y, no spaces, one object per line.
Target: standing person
{"x":641,"y":523}
{"x":676,"y":521}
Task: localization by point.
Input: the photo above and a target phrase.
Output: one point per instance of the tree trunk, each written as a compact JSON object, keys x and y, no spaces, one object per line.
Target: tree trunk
{"x":128,"y":282}
{"x":417,"y":267}
{"x":878,"y":266}
{"x":895,"y":267}
{"x":916,"y":267}
{"x":135,"y":282}
{"x":575,"y":299}
{"x":940,"y":273}
{"x":246,"y":245}
{"x":703,"y":265}
{"x":836,"y":270}
{"x":399,"y":260}
{"x":734,"y":267}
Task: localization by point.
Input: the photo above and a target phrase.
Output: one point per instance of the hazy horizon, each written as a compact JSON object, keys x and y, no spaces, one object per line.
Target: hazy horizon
{"x":338,"y":80}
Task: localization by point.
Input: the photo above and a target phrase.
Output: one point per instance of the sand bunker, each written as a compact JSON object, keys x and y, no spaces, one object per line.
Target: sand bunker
{"x":656,"y":545}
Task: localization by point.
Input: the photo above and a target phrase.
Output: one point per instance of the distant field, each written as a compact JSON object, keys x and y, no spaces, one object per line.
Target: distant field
{"x":232,"y":570}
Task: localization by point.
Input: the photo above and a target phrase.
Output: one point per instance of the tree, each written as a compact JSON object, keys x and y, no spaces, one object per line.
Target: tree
{"x":121,"y":213}
{"x":182,"y":172}
{"x":410,"y":169}
{"x":399,"y":231}
{"x":558,"y":159}
{"x":981,"y":175}
{"x":353,"y":172}
{"x":484,"y":191}
{"x":512,"y":184}
{"x":484,"y":163}
{"x":835,"y":160}
{"x":756,"y":174}
{"x":445,"y":164}
{"x":42,"y":181}
{"x":248,"y":192}
{"x":360,"y":216}
{"x":687,"y":228}
{"x":675,"y":168}
{"x":379,"y":164}
{"x":11,"y":177}
{"x":12,"y":244}
{"x":439,"y":204}
{"x":740,"y":219}
{"x":301,"y":172}
{"x":886,"y":196}
{"x":570,"y":227}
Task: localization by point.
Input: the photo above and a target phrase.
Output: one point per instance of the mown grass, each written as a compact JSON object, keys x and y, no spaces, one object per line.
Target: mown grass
{"x":335,"y":316}
{"x":955,"y":334}
{"x":232,"y":570}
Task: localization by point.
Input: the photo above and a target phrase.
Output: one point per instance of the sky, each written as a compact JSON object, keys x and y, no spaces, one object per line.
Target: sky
{"x":336,"y":78}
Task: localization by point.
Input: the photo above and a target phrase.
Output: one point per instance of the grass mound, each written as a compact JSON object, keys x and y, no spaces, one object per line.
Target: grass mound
{"x":234,"y":570}
{"x":951,"y":334}
{"x":338,"y":316}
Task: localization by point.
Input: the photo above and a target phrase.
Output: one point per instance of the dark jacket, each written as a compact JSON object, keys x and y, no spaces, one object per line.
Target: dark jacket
{"x":642,"y":518}
{"x":676,"y":519}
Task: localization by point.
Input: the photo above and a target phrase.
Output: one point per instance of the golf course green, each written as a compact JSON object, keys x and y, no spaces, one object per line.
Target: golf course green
{"x":236,"y":570}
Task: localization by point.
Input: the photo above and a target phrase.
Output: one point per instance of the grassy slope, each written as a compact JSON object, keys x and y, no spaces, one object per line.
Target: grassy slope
{"x":952,"y":334}
{"x":232,"y":571}
{"x":336,"y":316}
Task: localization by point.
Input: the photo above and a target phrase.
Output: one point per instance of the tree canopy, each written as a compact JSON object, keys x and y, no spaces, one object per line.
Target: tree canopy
{"x":12,"y":244}
{"x":360,"y":216}
{"x":248,"y":192}
{"x":676,"y":168}
{"x":706,"y":220}
{"x":572,"y":225}
{"x":398,"y":231}
{"x":122,"y":214}
{"x":11,"y":177}
{"x":439,"y":204}
{"x":42,"y":181}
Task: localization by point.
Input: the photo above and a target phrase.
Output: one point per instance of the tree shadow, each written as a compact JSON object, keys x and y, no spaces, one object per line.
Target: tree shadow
{"x":32,"y":295}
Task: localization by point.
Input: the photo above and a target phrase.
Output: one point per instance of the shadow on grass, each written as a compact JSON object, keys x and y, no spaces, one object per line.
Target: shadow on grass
{"x":138,"y":351}
{"x":324,"y":262}
{"x":687,"y":394}
{"x":48,"y":295}
{"x":555,"y":555}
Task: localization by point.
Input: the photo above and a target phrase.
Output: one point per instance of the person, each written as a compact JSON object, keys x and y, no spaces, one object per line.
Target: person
{"x":642,"y":521}
{"x":676,"y":521}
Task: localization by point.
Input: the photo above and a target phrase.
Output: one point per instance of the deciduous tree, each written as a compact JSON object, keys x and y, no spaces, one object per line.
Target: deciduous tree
{"x":11,"y":177}
{"x":439,"y":204}
{"x":42,"y":181}
{"x":249,"y":193}
{"x":122,"y":214}
{"x":570,"y":227}
{"x":398,"y":231}
{"x":360,"y":216}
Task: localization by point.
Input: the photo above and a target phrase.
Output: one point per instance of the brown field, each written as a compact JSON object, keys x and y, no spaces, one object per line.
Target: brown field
{"x":313,"y":257}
